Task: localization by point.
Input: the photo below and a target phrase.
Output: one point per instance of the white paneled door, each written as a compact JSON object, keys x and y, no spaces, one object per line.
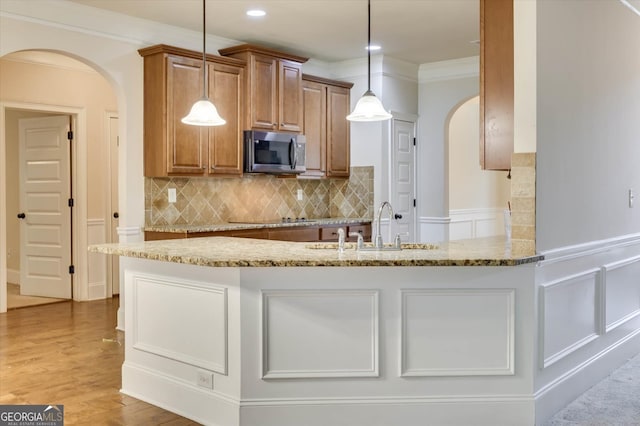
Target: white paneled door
{"x":403,"y":180}
{"x":45,"y":225}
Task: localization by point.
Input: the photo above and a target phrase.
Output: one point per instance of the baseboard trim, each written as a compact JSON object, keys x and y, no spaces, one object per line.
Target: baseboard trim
{"x":179,"y":397}
{"x":13,"y":276}
{"x":556,"y":395}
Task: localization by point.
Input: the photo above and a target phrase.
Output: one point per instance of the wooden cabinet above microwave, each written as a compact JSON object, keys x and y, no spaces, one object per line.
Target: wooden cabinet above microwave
{"x":274,"y":88}
{"x":172,"y":83}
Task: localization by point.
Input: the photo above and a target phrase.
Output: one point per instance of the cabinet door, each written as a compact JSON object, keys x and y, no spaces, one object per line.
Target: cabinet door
{"x":225,"y":142}
{"x":496,"y":84}
{"x":314,"y":124}
{"x":263,"y":95}
{"x":186,"y":145}
{"x":290,"y":96}
{"x":338,"y":142}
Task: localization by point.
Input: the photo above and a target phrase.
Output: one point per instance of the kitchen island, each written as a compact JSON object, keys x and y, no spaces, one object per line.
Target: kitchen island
{"x":230,"y":331}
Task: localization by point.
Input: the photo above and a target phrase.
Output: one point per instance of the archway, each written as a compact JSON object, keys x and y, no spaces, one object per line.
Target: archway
{"x":477,"y":197}
{"x":44,"y":82}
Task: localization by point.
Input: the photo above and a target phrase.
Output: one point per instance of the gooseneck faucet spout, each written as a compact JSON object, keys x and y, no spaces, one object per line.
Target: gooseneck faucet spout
{"x":378,"y":241}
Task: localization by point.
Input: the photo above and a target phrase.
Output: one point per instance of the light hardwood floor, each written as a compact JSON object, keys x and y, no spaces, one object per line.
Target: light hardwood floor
{"x":70,"y":354}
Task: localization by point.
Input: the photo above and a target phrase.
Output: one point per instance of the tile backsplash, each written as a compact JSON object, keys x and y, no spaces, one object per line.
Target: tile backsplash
{"x":202,"y":201}
{"x":523,"y":202}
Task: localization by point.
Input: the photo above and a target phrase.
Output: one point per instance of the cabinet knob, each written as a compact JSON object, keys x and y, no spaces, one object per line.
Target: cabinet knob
{"x":21,"y":215}
{"x":116,"y":215}
{"x":274,"y":125}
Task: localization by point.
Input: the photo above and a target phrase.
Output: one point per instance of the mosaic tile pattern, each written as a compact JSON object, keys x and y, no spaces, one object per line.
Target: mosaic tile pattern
{"x":523,"y":202}
{"x":202,"y":201}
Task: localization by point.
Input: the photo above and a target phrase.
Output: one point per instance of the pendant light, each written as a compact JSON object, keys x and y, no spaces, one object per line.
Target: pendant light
{"x":369,"y":107}
{"x":203,"y":112}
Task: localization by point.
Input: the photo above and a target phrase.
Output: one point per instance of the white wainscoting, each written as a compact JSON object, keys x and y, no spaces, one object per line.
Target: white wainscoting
{"x":588,"y":317}
{"x":338,"y":336}
{"x":160,"y":325}
{"x":433,"y":229}
{"x":465,"y":332}
{"x":621,"y":281}
{"x":572,"y":301}
{"x":96,"y":262}
{"x":476,"y":223}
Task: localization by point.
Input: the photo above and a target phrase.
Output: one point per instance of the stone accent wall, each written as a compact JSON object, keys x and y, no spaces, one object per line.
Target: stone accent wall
{"x":523,"y":203}
{"x":202,"y":201}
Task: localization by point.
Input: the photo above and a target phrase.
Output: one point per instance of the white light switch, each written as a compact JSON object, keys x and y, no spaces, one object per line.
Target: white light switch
{"x":172,"y":195}
{"x":300,"y":194}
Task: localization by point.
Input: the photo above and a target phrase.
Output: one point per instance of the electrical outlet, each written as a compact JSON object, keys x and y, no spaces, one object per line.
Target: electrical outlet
{"x":631,"y":198}
{"x":300,"y":194}
{"x":205,"y":379}
{"x":172,"y":195}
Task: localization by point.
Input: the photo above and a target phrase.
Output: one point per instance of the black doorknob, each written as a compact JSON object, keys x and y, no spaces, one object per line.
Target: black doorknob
{"x":116,"y":215}
{"x":21,"y":215}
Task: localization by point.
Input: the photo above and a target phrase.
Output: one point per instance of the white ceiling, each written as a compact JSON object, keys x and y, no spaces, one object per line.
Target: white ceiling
{"x":417,"y":31}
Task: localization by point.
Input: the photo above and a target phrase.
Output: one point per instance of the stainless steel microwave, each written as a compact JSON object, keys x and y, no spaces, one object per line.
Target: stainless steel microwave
{"x":274,"y":152}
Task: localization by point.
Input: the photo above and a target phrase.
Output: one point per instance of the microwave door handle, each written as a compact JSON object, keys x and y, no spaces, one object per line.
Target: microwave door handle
{"x":293,"y":154}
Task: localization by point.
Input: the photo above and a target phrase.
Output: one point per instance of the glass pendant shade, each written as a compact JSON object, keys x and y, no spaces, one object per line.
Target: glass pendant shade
{"x":369,"y":108}
{"x":203,"y":113}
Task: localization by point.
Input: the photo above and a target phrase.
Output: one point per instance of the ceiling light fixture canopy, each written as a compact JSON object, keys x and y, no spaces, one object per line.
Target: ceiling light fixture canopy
{"x":204,"y":112}
{"x":369,"y":107}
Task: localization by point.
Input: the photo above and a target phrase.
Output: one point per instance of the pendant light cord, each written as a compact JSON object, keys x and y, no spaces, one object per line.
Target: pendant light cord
{"x":369,"y":45}
{"x":204,"y":48}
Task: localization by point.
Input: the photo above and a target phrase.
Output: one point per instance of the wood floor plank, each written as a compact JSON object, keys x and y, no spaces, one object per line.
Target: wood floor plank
{"x":70,"y":354}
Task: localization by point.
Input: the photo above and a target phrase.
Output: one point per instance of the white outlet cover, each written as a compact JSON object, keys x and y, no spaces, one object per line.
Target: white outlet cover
{"x":300,"y":195}
{"x":172,"y":195}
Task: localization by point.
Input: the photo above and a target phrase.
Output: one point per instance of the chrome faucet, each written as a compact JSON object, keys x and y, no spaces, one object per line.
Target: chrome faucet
{"x":378,"y":241}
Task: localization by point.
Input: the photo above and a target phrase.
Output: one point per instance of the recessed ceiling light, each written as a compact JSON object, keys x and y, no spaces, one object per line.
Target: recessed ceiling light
{"x":373,"y":47}
{"x":256,"y":12}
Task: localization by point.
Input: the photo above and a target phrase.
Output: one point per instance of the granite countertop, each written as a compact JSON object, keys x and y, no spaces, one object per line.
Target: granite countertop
{"x":245,"y":252}
{"x":233,"y":226}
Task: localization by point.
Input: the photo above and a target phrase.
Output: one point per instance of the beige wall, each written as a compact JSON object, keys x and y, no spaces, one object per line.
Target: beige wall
{"x":29,"y":83}
{"x":469,"y":186}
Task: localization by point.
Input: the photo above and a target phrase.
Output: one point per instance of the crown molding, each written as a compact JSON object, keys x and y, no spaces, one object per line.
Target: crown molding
{"x":450,"y":70}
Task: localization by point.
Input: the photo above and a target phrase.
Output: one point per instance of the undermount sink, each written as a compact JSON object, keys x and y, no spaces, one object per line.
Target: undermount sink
{"x":370,"y":246}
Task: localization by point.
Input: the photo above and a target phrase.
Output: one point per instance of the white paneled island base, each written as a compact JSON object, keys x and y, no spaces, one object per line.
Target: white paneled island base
{"x":240,"y":332}
{"x":331,"y":346}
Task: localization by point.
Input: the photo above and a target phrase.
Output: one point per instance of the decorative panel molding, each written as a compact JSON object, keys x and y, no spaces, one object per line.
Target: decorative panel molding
{"x":570,"y":314}
{"x":185,"y":321}
{"x":475,"y":223}
{"x":461,"y":332}
{"x":621,"y":282}
{"x":320,"y":333}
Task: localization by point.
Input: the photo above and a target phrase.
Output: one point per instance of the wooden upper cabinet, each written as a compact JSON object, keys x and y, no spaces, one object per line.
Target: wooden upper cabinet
{"x":338,"y":131}
{"x":326,"y":105}
{"x":274,"y":80}
{"x":496,"y":84}
{"x":315,"y":127}
{"x":173,"y":79}
{"x":225,"y":142}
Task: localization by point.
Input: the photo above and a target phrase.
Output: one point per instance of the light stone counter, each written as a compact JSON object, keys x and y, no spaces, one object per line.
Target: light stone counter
{"x":243,"y":252}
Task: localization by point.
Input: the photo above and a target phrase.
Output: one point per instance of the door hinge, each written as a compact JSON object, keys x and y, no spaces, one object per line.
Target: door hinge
{"x":414,"y":202}
{"x":70,"y":135}
{"x":72,"y":269}
{"x":70,"y":202}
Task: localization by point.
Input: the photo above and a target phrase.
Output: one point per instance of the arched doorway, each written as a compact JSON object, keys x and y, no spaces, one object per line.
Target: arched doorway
{"x":477,"y":197}
{"x":40,"y":83}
